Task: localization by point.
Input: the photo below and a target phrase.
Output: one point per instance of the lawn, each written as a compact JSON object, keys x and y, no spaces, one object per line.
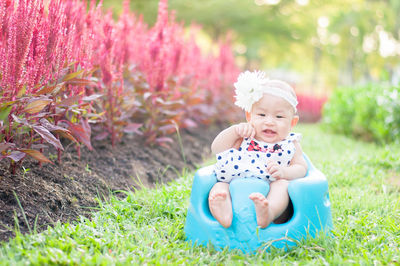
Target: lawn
{"x":147,"y":226}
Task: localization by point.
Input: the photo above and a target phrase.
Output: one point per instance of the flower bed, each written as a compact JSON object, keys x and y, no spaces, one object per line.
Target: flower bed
{"x":71,"y":72}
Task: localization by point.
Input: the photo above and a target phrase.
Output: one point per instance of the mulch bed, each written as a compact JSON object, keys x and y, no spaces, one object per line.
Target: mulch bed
{"x":62,"y":192}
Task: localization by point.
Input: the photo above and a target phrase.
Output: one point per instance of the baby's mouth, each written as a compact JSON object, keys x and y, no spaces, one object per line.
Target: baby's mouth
{"x":269,"y":132}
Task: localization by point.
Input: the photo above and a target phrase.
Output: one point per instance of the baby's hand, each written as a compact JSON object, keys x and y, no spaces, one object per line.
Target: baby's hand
{"x":245,"y":130}
{"x":275,"y":170}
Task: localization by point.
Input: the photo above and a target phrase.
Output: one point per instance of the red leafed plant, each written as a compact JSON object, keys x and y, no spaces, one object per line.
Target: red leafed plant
{"x":179,"y":86}
{"x":67,"y":65}
{"x":310,"y":107}
{"x":38,"y":90}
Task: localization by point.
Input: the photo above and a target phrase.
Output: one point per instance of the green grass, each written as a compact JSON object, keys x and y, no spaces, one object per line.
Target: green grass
{"x":147,"y":226}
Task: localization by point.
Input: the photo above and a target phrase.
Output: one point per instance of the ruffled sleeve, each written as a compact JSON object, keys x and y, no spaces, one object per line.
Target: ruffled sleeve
{"x":294,"y":136}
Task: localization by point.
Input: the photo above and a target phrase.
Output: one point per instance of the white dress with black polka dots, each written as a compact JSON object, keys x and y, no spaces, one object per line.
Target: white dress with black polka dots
{"x":250,"y":160}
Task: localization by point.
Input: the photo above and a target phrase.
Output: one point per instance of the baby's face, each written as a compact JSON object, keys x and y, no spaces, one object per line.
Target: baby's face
{"x":273,"y":118}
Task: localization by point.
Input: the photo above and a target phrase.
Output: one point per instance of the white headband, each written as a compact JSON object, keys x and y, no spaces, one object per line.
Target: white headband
{"x":251,"y":86}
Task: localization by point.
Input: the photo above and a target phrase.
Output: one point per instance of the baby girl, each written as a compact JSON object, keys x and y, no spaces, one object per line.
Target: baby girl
{"x":263,"y":147}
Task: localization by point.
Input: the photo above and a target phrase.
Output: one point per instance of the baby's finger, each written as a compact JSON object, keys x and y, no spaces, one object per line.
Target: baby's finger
{"x":239,"y":130}
{"x":276,"y":169}
{"x":277,"y":175}
{"x":271,"y":165}
{"x":272,"y":169}
{"x":250,"y":133}
{"x":246,"y":131}
{"x":253,"y":133}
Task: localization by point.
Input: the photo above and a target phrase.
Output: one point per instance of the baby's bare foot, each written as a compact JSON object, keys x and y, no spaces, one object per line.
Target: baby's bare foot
{"x":263,"y":212}
{"x":221,"y":208}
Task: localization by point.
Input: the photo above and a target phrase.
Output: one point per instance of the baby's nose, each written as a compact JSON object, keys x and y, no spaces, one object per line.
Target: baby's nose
{"x":269,"y":119}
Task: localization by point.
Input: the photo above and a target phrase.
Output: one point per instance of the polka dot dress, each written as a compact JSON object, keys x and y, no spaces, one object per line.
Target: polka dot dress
{"x":250,"y":160}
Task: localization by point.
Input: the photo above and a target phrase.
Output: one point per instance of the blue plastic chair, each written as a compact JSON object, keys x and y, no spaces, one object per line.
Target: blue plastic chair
{"x":311,"y":212}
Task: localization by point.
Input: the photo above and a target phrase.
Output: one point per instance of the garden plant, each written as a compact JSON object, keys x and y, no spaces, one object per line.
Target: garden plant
{"x":371,"y":112}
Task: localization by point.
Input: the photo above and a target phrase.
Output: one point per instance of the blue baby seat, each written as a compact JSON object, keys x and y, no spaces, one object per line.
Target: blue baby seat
{"x":311,"y":212}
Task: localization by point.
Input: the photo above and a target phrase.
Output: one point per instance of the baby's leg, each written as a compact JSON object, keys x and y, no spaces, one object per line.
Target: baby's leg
{"x":220,"y":204}
{"x":271,"y":207}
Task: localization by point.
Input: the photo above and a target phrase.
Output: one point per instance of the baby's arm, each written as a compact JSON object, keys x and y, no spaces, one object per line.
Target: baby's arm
{"x":231,"y":137}
{"x":296,"y":169}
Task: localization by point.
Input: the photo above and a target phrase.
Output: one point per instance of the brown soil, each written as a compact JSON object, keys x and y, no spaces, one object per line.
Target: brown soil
{"x":62,"y":192}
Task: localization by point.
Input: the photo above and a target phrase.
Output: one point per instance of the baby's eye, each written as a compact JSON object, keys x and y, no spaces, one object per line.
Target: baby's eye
{"x":280,"y":116}
{"x":261,"y":114}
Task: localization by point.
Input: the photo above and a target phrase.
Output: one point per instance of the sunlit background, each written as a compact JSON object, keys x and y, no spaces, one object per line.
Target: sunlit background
{"x":317,"y":45}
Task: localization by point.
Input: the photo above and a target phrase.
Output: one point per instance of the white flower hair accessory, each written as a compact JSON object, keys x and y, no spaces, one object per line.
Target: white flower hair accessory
{"x":249,"y":89}
{"x":251,"y":86}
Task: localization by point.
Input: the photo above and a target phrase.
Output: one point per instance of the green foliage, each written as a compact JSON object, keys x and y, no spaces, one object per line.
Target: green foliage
{"x":147,"y":226}
{"x":371,"y":112}
{"x":286,"y":34}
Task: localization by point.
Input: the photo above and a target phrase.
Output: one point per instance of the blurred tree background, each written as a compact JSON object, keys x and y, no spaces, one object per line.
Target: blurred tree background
{"x":316,"y":44}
